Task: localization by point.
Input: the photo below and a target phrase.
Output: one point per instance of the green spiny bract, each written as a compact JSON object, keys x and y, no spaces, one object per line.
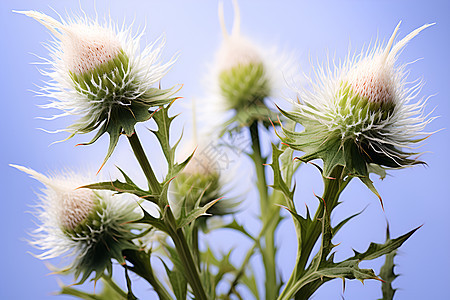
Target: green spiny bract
{"x":244,"y":85}
{"x":100,"y":237}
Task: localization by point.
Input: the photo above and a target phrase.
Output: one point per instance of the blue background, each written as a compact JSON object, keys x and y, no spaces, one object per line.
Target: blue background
{"x":312,"y":29}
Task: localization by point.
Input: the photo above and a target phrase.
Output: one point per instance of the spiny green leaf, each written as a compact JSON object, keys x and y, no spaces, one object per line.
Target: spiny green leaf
{"x":224,"y":267}
{"x":346,"y":269}
{"x":122,"y":187}
{"x":174,"y":258}
{"x":125,"y":176}
{"x":108,"y":292}
{"x":369,"y":184}
{"x":249,"y":280}
{"x":130,"y":295}
{"x":388,"y":276}
{"x":387,"y":273}
{"x":306,"y":229}
{"x":377,"y":250}
{"x":279,"y":183}
{"x":164,"y":122}
{"x":178,"y":167}
{"x":236,"y":226}
{"x":155,"y":222}
{"x":336,"y":228}
{"x":194,"y":214}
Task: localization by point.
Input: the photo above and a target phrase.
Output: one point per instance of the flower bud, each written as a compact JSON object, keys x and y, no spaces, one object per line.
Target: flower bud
{"x":199,"y":184}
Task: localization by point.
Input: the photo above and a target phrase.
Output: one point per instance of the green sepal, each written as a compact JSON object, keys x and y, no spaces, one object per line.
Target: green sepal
{"x":356,"y":156}
{"x":96,"y":260}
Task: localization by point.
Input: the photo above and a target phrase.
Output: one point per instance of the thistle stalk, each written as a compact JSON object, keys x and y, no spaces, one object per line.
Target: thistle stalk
{"x":177,"y":235}
{"x":141,"y":157}
{"x":185,"y":255}
{"x":333,"y":187}
{"x":268,"y":210}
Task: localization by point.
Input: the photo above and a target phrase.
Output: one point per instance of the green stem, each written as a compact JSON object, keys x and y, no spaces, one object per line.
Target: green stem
{"x":305,"y":280}
{"x":268,"y":251}
{"x":144,"y":163}
{"x":195,"y":249}
{"x":192,"y":273}
{"x":333,"y":188}
{"x":260,"y":169}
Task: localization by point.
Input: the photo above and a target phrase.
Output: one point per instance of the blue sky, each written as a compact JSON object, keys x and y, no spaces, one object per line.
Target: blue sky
{"x":312,"y":30}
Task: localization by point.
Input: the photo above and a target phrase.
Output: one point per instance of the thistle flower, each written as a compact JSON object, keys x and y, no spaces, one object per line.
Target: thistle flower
{"x":92,"y":226}
{"x":361,"y":114}
{"x":98,"y":73}
{"x":243,"y":76}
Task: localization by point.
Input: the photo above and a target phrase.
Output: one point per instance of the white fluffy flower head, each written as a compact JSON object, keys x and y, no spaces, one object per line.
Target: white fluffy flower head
{"x":361,"y":113}
{"x":91,"y":226}
{"x":98,"y":73}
